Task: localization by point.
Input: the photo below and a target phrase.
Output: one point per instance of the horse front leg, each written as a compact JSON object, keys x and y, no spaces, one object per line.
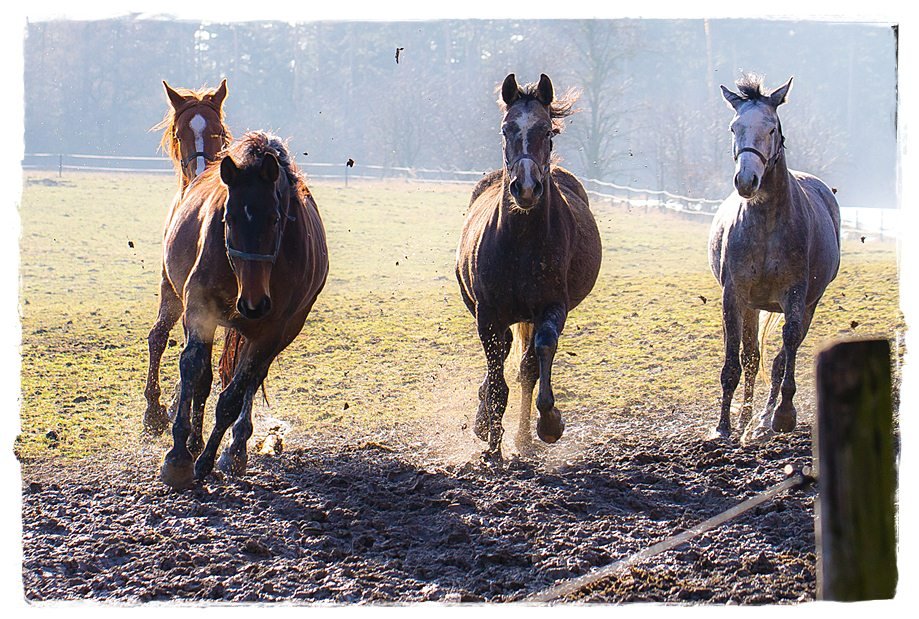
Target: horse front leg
{"x":482,"y":425}
{"x":730,"y":372}
{"x":177,"y":469}
{"x":796,"y":325}
{"x":550,"y":425}
{"x":234,"y":407}
{"x":156,"y":419}
{"x":496,"y":340}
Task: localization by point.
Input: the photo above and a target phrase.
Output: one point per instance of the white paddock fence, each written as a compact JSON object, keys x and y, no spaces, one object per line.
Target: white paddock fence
{"x":858,"y":221}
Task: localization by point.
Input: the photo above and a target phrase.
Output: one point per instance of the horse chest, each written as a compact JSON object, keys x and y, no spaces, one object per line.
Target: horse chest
{"x":523,"y":277}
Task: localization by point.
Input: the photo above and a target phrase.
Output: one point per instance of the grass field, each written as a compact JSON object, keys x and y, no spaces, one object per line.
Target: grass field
{"x":389,"y":338}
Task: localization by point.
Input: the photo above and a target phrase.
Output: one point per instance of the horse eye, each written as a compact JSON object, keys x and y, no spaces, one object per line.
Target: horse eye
{"x":771,"y":131}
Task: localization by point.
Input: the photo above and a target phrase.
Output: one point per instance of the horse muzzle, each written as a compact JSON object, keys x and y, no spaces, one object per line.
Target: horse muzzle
{"x":749,"y":175}
{"x":253,"y":310}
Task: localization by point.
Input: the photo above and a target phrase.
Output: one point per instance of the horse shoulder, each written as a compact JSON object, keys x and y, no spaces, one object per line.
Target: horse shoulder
{"x":821,"y":197}
{"x":570,"y":183}
{"x":486,"y":182}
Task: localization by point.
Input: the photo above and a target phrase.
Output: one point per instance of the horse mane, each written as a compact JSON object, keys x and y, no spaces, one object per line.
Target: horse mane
{"x":561,"y":107}
{"x":252,"y":147}
{"x":169,"y":143}
{"x":750,"y":86}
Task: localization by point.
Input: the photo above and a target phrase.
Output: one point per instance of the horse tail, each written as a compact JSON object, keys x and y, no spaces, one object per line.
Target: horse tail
{"x":768,"y":321}
{"x":232,"y":342}
{"x":523,"y":333}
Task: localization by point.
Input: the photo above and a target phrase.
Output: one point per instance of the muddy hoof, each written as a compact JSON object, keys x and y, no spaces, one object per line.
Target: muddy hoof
{"x":721,"y":433}
{"x":759,"y":434}
{"x":550,"y":426}
{"x":784,"y":419}
{"x":232,"y":464}
{"x":178,"y":471}
{"x":492,"y":459}
{"x":155,"y":420}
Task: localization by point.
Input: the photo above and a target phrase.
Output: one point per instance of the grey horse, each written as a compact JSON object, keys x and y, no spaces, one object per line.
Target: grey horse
{"x":773,"y":246}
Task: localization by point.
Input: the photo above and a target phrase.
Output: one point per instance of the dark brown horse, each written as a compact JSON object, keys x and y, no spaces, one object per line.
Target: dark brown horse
{"x":245,"y":249}
{"x":774,"y":246}
{"x":194,"y":134}
{"x":529,"y":253}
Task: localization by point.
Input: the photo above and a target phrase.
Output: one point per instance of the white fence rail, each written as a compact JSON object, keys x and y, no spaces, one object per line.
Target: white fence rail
{"x":857,"y":221}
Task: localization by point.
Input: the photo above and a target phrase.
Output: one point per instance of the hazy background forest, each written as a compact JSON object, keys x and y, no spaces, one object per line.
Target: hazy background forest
{"x":651,"y":110}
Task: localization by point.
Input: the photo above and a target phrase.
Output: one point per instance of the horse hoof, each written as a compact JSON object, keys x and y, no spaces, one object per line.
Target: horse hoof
{"x":232,"y":464}
{"x":720,"y":433}
{"x":758,"y":434}
{"x":550,"y":426}
{"x":155,"y":420}
{"x":492,"y":458}
{"x":784,"y":419}
{"x":177,"y":471}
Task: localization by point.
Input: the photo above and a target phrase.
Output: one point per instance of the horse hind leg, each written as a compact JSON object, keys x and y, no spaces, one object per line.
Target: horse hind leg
{"x":156,"y":419}
{"x":749,"y":360}
{"x":234,"y":459}
{"x":550,"y":425}
{"x":529,"y":374}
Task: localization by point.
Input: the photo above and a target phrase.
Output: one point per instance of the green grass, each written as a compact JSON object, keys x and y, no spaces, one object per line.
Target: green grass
{"x":389,"y":338}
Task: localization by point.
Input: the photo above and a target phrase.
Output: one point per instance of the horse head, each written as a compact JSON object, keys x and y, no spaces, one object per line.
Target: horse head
{"x":527,"y":131}
{"x":197,"y":130}
{"x":254,"y":216}
{"x":756,"y":132}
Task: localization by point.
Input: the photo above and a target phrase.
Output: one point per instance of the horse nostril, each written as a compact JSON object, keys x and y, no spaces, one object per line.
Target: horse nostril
{"x":515,"y":187}
{"x":265,"y":306}
{"x":755,"y":181}
{"x":537,"y":189}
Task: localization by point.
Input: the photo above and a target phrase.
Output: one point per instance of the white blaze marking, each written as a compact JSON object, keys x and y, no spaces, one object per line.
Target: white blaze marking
{"x":525,"y":123}
{"x":197,"y":124}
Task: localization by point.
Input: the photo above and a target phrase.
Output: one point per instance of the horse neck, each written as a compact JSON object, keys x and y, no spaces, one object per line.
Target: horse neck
{"x":776,"y":187}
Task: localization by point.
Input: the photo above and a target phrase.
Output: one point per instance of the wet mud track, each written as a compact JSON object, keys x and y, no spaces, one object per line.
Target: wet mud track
{"x":372,"y":520}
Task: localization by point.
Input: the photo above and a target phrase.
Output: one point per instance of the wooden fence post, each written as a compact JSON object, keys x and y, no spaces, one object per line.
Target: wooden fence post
{"x":856,"y":472}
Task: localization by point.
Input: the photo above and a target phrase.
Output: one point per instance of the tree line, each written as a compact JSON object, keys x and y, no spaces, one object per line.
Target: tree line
{"x":650,"y":111}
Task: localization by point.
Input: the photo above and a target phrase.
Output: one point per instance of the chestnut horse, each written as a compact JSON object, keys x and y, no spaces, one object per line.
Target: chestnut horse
{"x":529,"y":253}
{"x":194,"y":129}
{"x":773,"y":246}
{"x":245,"y":249}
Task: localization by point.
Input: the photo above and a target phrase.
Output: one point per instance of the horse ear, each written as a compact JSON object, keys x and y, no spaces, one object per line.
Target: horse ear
{"x":509,"y":89}
{"x":778,"y":96}
{"x":270,"y":168}
{"x":220,"y":94}
{"x":175,"y":99}
{"x":545,"y":94}
{"x":228,"y":171}
{"x":733,"y":99}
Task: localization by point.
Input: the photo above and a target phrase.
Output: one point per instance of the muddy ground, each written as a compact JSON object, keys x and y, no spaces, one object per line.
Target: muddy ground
{"x":406,"y":514}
